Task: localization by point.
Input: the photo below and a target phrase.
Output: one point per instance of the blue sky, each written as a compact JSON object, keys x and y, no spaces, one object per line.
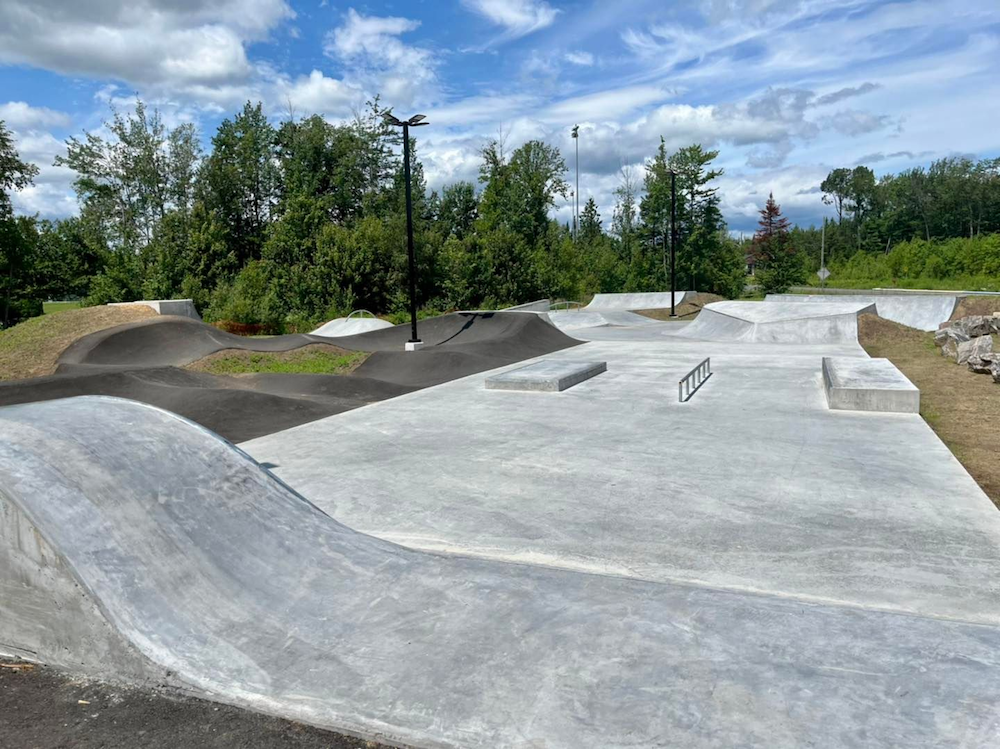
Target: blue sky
{"x":785,"y":89}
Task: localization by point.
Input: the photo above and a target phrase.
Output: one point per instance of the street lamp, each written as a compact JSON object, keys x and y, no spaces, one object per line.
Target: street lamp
{"x":416,"y":121}
{"x":576,"y":209}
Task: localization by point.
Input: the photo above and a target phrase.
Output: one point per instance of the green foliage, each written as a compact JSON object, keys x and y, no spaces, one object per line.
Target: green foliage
{"x":308,"y":361}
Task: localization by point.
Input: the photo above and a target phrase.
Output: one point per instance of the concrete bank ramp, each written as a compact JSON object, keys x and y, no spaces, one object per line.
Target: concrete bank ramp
{"x":136,"y":544}
{"x":920,"y":311}
{"x":639,"y":300}
{"x":578,"y":319}
{"x":778,"y":322}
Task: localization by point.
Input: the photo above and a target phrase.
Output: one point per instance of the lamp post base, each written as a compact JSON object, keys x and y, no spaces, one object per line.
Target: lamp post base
{"x":413,"y":345}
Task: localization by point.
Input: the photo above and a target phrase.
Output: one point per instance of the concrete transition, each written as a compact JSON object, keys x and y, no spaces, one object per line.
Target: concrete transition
{"x":778,"y":322}
{"x":640,"y":300}
{"x":855,"y":384}
{"x":548,"y":375}
{"x":163,"y":553}
{"x":920,"y":311}
{"x":541,"y":305}
{"x":179,"y":307}
{"x":345,"y":326}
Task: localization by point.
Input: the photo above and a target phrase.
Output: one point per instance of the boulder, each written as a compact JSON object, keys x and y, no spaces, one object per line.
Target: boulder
{"x":984,"y":363}
{"x":949,"y":349}
{"x":995,"y":371}
{"x":976,"y":347}
{"x":995,"y":323}
{"x":951,"y":333}
{"x":974,"y":325}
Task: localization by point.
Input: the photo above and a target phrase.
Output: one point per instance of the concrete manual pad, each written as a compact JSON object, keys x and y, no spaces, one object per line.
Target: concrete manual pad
{"x":547,"y":376}
{"x":854,"y":384}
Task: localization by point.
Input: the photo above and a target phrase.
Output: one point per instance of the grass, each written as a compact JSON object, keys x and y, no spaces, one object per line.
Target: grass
{"x":32,"y":348}
{"x":962,"y":407}
{"x":50,"y":308}
{"x":686,"y":310}
{"x":319,"y":358}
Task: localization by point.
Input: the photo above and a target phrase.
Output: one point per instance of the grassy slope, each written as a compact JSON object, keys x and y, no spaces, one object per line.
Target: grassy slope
{"x":50,"y":308}
{"x":963,"y":408}
{"x":318,"y":358}
{"x":32,"y":348}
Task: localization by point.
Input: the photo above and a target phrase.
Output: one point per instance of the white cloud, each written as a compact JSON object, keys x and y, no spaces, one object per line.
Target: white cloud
{"x":317,"y":94}
{"x":580,"y":58}
{"x":380,"y":62}
{"x":19,"y":114}
{"x":517,"y":17}
{"x":196,"y":47}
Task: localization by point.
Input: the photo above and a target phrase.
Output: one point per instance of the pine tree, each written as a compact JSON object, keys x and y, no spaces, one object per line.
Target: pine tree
{"x":780,"y":266}
{"x":590,"y":222}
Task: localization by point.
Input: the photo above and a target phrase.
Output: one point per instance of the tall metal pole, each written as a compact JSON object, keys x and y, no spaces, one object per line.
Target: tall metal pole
{"x":577,"y":181}
{"x":409,"y":235}
{"x":673,"y":240}
{"x":822,"y":255}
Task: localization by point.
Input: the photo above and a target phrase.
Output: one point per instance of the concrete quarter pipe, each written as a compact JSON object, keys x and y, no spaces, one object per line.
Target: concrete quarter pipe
{"x":135,"y":543}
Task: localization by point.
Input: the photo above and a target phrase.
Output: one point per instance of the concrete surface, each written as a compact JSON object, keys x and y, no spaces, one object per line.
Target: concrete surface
{"x":178,"y":307}
{"x":221,"y":579}
{"x":854,"y":384}
{"x":345,"y":326}
{"x":778,"y":322}
{"x":541,"y":305}
{"x":920,"y":311}
{"x":546,"y":376}
{"x":638,"y":300}
{"x":578,"y":319}
{"x":754,"y":484}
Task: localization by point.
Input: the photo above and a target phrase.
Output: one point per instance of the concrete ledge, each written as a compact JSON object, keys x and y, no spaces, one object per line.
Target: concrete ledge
{"x":546,"y":376}
{"x":854,"y":384}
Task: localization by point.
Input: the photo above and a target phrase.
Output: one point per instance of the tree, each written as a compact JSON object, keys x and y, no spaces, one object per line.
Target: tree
{"x":14,"y":242}
{"x":458,"y":209}
{"x":590,"y":223}
{"x":779,"y":266}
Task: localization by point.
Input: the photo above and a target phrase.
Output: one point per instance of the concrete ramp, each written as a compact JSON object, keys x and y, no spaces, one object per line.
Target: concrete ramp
{"x":639,"y":300}
{"x":137,"y":545}
{"x":920,"y":311}
{"x":777,"y":322}
{"x":578,"y":319}
{"x":345,"y":326}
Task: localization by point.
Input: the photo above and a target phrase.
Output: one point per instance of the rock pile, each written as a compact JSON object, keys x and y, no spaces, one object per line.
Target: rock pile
{"x":969,"y":341}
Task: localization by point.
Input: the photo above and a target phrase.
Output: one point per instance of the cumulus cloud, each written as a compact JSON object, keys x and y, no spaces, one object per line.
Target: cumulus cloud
{"x":379,"y":60}
{"x":853,"y":123}
{"x":19,"y":114}
{"x":194,"y":46}
{"x":517,"y":17}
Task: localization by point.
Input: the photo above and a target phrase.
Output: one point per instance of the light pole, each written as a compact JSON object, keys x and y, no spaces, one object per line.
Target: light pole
{"x":576,"y":207}
{"x":673,"y":239}
{"x":416,"y":121}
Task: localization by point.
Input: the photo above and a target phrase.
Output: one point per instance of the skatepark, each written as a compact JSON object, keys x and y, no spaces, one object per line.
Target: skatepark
{"x":789,"y":557}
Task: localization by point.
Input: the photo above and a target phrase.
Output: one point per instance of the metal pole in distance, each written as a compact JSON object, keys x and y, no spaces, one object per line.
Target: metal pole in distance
{"x":409,"y":235}
{"x":578,"y":183}
{"x":673,"y":241}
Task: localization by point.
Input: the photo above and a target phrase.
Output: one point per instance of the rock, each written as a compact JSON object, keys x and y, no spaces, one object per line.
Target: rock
{"x":984,"y":363}
{"x":995,"y":371}
{"x":950,"y":333}
{"x":974,"y":325}
{"x":976,"y":347}
{"x":949,"y":349}
{"x":995,"y":323}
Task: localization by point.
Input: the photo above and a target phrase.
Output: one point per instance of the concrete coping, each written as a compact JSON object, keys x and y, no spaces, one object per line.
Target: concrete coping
{"x":855,"y":384}
{"x":548,"y":375}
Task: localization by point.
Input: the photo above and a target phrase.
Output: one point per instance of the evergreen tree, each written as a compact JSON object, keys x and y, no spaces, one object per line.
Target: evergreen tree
{"x":779,"y":266}
{"x":590,"y":223}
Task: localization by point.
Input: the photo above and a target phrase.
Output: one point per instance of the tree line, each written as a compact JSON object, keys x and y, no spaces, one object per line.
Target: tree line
{"x":278,"y":226}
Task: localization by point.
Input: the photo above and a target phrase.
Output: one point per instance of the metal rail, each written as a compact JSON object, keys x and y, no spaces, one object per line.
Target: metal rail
{"x":689,"y":383}
{"x":564,"y":305}
{"x":359,"y":312}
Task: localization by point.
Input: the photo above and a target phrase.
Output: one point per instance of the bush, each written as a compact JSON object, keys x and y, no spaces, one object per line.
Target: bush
{"x":16,"y":310}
